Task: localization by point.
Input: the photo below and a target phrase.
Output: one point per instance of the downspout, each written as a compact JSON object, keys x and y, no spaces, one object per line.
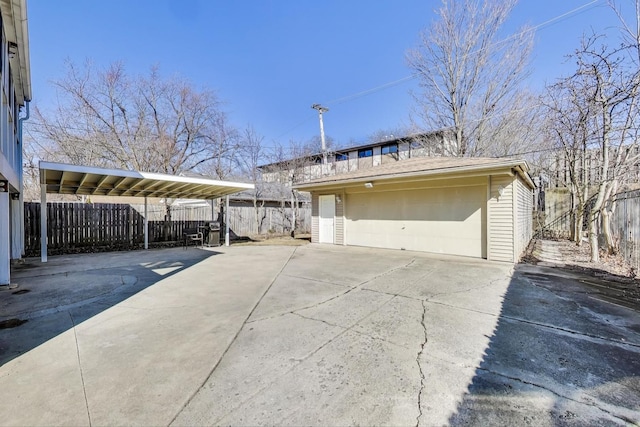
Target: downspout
{"x":21,"y":120}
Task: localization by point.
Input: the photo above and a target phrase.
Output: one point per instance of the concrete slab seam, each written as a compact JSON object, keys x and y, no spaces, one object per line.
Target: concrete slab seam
{"x":84,"y":389}
{"x":235,"y":337}
{"x":560,"y":395}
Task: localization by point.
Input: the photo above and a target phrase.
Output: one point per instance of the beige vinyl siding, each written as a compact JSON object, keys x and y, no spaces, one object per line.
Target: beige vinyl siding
{"x":501,"y":220}
{"x":440,"y":217}
{"x":524,"y":217}
{"x":315,"y":218}
{"x":339,"y":221}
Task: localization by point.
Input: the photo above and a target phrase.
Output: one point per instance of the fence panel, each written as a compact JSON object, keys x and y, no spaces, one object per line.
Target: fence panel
{"x":80,"y":227}
{"x":625,"y":226}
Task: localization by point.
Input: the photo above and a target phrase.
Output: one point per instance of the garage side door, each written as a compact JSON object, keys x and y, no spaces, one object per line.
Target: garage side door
{"x":440,"y":220}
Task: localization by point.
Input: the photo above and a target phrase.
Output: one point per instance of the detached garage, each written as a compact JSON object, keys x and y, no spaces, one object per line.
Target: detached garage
{"x":476,"y":207}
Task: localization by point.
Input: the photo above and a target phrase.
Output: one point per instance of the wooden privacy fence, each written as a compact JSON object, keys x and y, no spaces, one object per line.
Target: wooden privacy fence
{"x":82,"y":227}
{"x":625,"y":226}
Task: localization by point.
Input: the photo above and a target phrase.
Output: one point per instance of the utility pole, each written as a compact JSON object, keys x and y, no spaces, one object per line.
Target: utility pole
{"x":321,"y":110}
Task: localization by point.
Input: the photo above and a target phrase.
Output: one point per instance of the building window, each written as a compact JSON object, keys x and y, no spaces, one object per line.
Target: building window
{"x":389,"y":148}
{"x":342,"y":156}
{"x":366,"y":152}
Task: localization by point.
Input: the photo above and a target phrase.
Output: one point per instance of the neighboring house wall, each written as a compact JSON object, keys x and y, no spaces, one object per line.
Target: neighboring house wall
{"x":315,"y":218}
{"x":15,"y":91}
{"x":340,"y":218}
{"x":310,"y":168}
{"x":501,"y":219}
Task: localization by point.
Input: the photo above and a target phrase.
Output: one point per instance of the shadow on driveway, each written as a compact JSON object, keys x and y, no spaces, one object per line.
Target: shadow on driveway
{"x":71,"y":289}
{"x":563,"y":353}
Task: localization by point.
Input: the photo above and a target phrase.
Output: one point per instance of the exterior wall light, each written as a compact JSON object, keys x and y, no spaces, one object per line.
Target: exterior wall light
{"x":500,"y":191}
{"x":338,"y":199}
{"x":368,"y":185}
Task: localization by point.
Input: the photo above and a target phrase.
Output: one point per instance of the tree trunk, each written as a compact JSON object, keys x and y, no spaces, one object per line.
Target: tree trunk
{"x":607,"y":212}
{"x":593,"y":236}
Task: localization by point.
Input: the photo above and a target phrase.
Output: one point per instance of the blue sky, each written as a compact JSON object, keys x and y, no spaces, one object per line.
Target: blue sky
{"x":269,"y":60}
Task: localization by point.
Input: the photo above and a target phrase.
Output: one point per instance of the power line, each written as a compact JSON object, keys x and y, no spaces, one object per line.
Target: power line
{"x":554,"y":20}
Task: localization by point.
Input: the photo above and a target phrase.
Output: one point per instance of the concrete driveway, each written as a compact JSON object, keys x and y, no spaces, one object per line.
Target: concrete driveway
{"x":312,"y":335}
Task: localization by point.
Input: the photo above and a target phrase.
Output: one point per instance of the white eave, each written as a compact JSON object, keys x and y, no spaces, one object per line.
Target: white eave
{"x":61,"y":178}
{"x":14,"y":19}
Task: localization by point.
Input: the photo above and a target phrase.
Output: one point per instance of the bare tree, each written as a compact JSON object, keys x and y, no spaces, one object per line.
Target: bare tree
{"x":604,"y":111}
{"x":569,"y":113}
{"x":469,"y":77}
{"x":252,"y":156}
{"x":295,"y":162}
{"x":105,"y":117}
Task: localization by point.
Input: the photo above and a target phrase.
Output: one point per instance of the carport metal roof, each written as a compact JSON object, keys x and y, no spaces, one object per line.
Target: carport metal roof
{"x":62,"y":178}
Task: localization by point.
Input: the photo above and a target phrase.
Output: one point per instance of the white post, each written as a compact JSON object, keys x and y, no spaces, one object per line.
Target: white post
{"x":16,"y":219}
{"x":146,"y":224}
{"x":226,"y":222}
{"x":5,"y":265}
{"x":43,"y":221}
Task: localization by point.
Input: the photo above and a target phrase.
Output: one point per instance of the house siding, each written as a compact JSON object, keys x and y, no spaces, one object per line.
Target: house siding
{"x":339,"y":220}
{"x":524,"y":217}
{"x":501,"y":220}
{"x":315,"y":218}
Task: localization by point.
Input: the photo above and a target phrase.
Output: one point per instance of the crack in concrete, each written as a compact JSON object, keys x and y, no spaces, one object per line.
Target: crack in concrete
{"x":298,"y":362}
{"x":560,"y":395}
{"x":311,"y":279}
{"x":84,"y":390}
{"x":318,"y":320}
{"x":583,"y":335}
{"x":475,"y":288}
{"x":355,"y":331}
{"x":419,"y":355}
{"x":235,"y":337}
{"x":341,"y":294}
{"x":392,"y":294}
{"x":576,"y":334}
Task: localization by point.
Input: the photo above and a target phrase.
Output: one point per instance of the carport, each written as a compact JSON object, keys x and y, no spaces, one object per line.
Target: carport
{"x":62,"y":178}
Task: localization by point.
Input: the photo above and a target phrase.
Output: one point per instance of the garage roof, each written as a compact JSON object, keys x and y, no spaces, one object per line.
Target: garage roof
{"x":62,"y":178}
{"x":423,"y":167}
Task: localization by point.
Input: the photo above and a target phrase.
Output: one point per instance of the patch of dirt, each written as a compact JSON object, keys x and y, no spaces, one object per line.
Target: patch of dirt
{"x":298,"y":240}
{"x":578,"y":257}
{"x":615,"y":278}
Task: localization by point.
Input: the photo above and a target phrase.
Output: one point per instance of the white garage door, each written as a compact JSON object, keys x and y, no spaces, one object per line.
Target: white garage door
{"x":440,"y":220}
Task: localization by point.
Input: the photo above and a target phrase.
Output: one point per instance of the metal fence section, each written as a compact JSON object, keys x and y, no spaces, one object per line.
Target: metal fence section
{"x":625,"y":226}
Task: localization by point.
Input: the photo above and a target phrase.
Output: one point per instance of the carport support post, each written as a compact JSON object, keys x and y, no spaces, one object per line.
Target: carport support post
{"x":146,"y":225}
{"x":43,"y":220}
{"x":226,"y":222}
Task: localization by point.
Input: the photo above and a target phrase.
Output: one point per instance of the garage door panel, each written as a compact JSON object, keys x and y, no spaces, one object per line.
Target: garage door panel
{"x":440,"y":220}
